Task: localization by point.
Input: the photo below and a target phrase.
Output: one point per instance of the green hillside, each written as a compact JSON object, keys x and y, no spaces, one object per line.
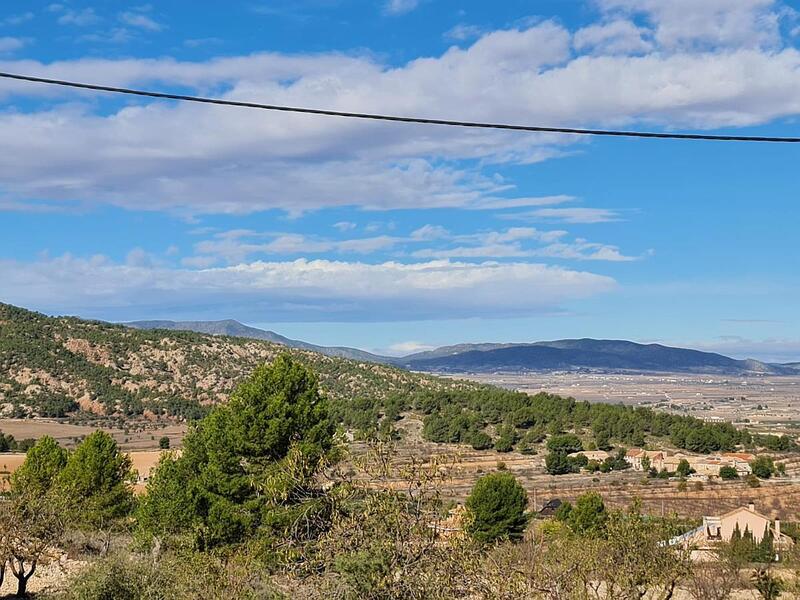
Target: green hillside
{"x":64,"y":366}
{"x":54,"y":366}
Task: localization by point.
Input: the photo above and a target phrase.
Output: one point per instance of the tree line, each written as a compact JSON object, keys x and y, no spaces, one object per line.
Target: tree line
{"x":520,"y":420}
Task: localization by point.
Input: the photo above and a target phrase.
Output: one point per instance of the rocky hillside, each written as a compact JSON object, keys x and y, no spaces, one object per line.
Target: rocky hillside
{"x":53,"y":366}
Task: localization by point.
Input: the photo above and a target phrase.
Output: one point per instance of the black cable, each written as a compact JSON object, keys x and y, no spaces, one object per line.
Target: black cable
{"x":377,"y":117}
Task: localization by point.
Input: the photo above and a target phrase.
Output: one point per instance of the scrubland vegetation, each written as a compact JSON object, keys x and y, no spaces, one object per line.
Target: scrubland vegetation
{"x":92,"y":371}
{"x":257,"y":506}
{"x":521,"y":420}
{"x":70,"y":367}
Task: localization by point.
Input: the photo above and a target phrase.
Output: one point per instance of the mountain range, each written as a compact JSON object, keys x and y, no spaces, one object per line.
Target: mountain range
{"x":586,"y":354}
{"x":557,"y":355}
{"x":233,"y":328}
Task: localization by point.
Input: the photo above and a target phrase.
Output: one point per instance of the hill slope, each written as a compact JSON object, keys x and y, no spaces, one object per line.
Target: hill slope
{"x":564,"y":355}
{"x":51,"y":366}
{"x":233,"y":328}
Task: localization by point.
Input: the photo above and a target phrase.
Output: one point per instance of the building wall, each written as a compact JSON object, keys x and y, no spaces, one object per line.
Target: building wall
{"x":707,"y":468}
{"x":597,"y":455}
{"x":754,"y":522}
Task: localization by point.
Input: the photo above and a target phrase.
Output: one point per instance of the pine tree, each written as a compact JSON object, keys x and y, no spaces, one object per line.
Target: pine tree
{"x":497,"y":506}
{"x":749,"y":546}
{"x":97,"y":482}
{"x":766,"y":547}
{"x":249,"y":465}
{"x":737,"y":548}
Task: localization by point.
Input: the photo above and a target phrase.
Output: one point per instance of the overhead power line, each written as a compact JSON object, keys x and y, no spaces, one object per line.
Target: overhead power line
{"x":398,"y":119}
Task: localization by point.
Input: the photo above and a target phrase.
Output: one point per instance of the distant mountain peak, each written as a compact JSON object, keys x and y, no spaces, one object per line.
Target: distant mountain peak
{"x":585,"y":354}
{"x":234,"y":328}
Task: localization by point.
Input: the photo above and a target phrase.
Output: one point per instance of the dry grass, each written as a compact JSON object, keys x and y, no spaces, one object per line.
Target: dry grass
{"x":775,"y":498}
{"x":140,"y":435}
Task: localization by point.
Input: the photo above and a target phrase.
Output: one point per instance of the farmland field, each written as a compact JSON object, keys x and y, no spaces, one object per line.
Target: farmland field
{"x":778,"y":498}
{"x":137,"y":435}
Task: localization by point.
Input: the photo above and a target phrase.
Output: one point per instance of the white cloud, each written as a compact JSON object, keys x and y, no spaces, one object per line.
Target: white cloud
{"x":567,"y":215}
{"x":617,"y":37}
{"x":199,"y":42}
{"x":142,"y":21}
{"x":482,"y":251}
{"x":238,"y":244}
{"x":578,"y":250}
{"x":235,"y":246}
{"x":10,"y":44}
{"x":18,"y":19}
{"x":687,"y":24}
{"x":503,"y":203}
{"x":400,"y":7}
{"x":403,"y":348}
{"x":138,"y":257}
{"x":198,"y":159}
{"x":515,"y":234}
{"x":463,"y":32}
{"x":374,"y":226}
{"x":297,"y":290}
{"x":430,"y":232}
{"x":494,"y":244}
{"x":115,"y":35}
{"x":344,"y":226}
{"x":79,"y":18}
{"x":582,"y":250}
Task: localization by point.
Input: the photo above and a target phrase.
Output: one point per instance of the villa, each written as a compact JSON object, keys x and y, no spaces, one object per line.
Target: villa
{"x":715,"y":530}
{"x":634,"y":458}
{"x":703,"y":465}
{"x":598,"y":455}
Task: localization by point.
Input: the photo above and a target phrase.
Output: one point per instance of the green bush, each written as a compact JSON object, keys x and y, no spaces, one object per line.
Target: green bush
{"x":504,"y":444}
{"x":563,"y":512}
{"x":117,"y":578}
{"x":172,"y":577}
{"x":588,"y":515}
{"x":557,"y":463}
{"x":684,"y":468}
{"x":579,"y":461}
{"x":497,"y":508}
{"x":566,"y":444}
{"x":763,"y":467}
{"x":752,"y":481}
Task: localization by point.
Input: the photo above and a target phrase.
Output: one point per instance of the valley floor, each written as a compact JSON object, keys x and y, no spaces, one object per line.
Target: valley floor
{"x":767,"y":402}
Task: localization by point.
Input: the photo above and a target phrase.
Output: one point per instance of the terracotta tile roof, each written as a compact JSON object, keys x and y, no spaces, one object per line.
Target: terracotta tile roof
{"x":740,"y":455}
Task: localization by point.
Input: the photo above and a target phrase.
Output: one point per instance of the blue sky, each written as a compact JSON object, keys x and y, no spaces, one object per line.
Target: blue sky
{"x":400,"y":237}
